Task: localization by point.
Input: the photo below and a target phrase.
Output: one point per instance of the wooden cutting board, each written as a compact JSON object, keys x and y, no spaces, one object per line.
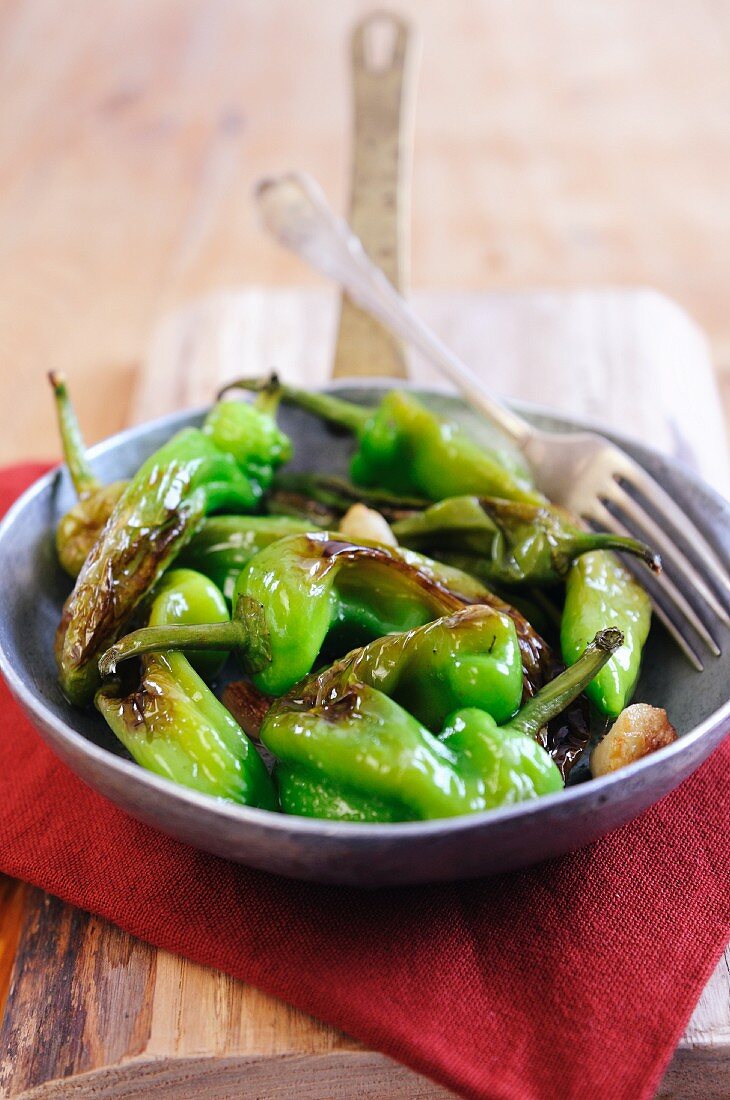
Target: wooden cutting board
{"x":92,"y":1012}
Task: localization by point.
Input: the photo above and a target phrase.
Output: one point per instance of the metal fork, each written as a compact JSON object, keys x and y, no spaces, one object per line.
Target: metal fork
{"x":584,"y":472}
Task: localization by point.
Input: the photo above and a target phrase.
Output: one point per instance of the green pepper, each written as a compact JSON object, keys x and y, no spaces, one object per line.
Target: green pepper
{"x":307,"y":587}
{"x":304,"y":592}
{"x":224,"y":544}
{"x":80,"y":527}
{"x":196,"y":472}
{"x":172,"y":724}
{"x":347,"y":750}
{"x":510,"y":542}
{"x":600,"y":589}
{"x":405,"y":448}
{"x":187,"y":597}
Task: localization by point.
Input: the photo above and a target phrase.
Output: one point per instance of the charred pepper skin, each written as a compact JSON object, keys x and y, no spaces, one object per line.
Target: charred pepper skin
{"x":309,"y":588}
{"x":196,"y":472}
{"x":601,"y":589}
{"x":349,"y":751}
{"x":172,"y":724}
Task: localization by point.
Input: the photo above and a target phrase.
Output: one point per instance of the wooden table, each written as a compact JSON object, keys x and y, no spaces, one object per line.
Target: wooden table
{"x":557,"y":143}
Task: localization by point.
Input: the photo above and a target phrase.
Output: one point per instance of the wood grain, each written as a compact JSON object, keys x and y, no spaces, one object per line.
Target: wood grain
{"x":117,"y":1019}
{"x":557,"y":143}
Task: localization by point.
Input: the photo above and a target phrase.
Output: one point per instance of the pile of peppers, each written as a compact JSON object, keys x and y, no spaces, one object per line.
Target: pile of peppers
{"x":385,"y":682}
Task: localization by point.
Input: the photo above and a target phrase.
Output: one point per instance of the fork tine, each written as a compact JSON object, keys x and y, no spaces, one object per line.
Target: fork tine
{"x":660,"y":541}
{"x":666,"y":588}
{"x":669,"y":510}
{"x":671,"y":627}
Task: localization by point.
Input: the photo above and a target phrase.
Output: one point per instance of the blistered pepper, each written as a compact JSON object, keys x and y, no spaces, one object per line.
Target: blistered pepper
{"x":509,"y":542}
{"x":171,"y":722}
{"x":222,"y":466}
{"x":405,"y":448}
{"x":304,"y":592}
{"x":309,"y":588}
{"x":600,"y":588}
{"x":224,"y":544}
{"x":503,"y":542}
{"x":79,"y":528}
{"x":348,"y":749}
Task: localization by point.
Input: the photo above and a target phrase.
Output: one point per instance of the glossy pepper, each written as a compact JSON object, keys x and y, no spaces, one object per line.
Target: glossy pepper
{"x":308,"y":587}
{"x":405,"y":448}
{"x":80,"y":527}
{"x":224,"y":544}
{"x":600,"y":588}
{"x":172,"y":723}
{"x":504,"y":542}
{"x":452,"y":475}
{"x":222,"y":466}
{"x":305,"y":591}
{"x":348,"y":749}
{"x":510,"y":542}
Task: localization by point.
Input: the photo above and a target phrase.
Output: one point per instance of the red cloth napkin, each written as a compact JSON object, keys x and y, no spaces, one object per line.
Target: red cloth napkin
{"x":574,"y":979}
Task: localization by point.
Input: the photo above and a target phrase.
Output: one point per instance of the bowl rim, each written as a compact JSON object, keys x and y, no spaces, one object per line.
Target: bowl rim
{"x":235,"y":813}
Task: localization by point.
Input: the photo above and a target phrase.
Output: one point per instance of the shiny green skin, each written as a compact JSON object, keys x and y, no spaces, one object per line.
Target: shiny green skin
{"x":156,"y":516}
{"x":314,"y":586}
{"x":349,"y":747}
{"x":252,"y":436}
{"x":224,"y":544}
{"x":382,"y":754}
{"x":312,"y":597}
{"x":407,"y":449}
{"x":509,"y":542}
{"x":172,"y":724}
{"x":601,"y":591}
{"x":392,"y":731}
{"x":185,"y":596}
{"x":309,"y":794}
{"x":469,"y":659}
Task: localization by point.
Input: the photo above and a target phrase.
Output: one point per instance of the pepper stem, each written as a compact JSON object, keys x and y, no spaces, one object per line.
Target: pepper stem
{"x":74,"y":448}
{"x":584,"y":542}
{"x":268,"y":398}
{"x":560,"y":692}
{"x":334,"y":410}
{"x":246,"y":634}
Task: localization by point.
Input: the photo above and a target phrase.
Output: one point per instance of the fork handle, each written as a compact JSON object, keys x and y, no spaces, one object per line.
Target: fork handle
{"x":296,"y":211}
{"x":382,"y":101}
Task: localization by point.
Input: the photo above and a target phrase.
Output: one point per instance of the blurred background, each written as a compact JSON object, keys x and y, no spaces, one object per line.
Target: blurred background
{"x":558,"y":143}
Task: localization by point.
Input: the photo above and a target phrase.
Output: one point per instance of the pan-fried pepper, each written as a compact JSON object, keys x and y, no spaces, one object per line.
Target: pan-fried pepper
{"x":348,"y":749}
{"x":506,"y":542}
{"x":405,"y":448}
{"x":224,"y":544}
{"x":79,"y":529}
{"x":600,"y":588}
{"x":308,"y":588}
{"x":510,"y":542}
{"x":222,"y":466}
{"x":305,"y":591}
{"x":171,"y":723}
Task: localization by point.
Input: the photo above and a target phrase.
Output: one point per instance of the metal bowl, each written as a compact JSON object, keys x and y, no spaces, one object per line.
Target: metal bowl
{"x":369,"y":855}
